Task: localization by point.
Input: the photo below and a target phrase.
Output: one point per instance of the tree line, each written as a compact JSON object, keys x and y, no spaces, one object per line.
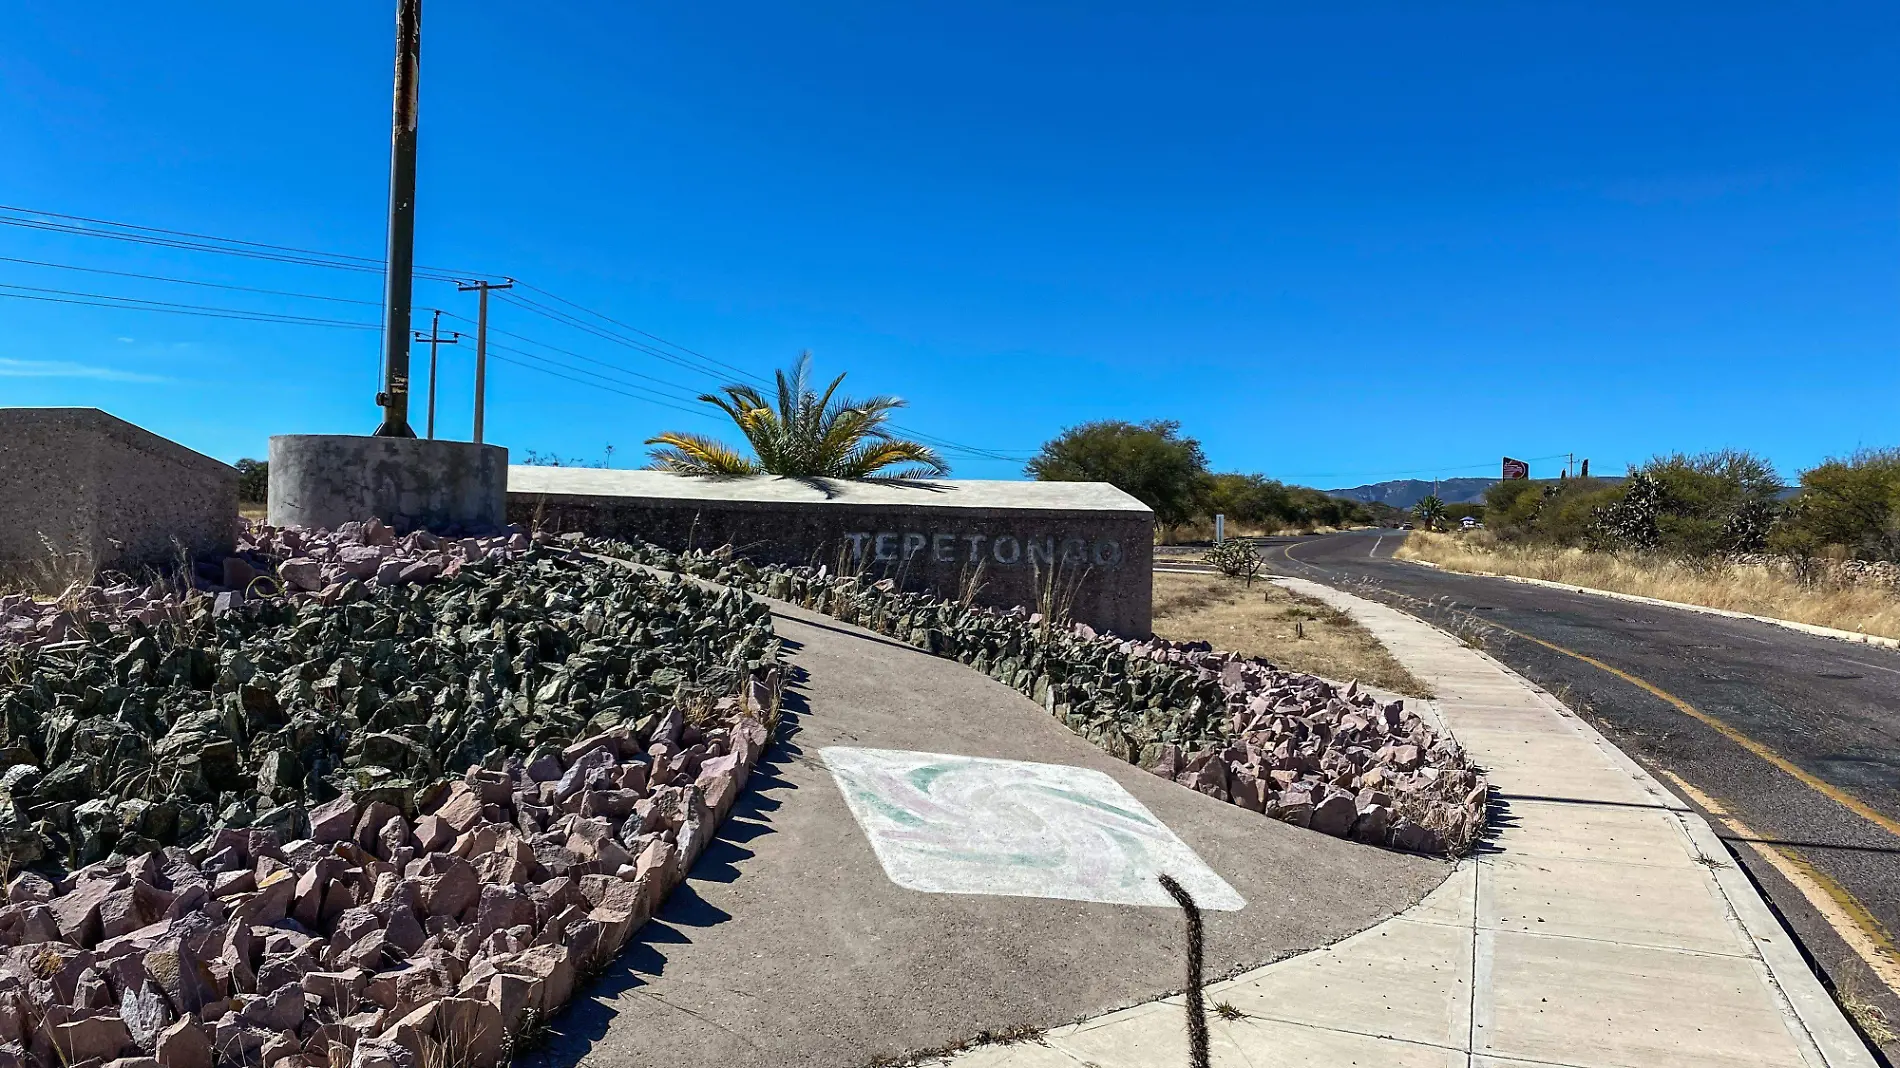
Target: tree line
{"x":1167,"y":471}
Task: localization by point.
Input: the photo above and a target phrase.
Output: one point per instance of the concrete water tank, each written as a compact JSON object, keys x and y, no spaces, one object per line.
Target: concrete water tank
{"x":326,"y":480}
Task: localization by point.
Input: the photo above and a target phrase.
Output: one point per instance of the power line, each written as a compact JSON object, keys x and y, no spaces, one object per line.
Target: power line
{"x":637,"y":330}
{"x":196,"y":242}
{"x":190,"y":282}
{"x":106,"y":300}
{"x":657,"y":396}
{"x":185,"y":240}
{"x":686,"y":391}
{"x":572,"y":321}
{"x":596,"y":385}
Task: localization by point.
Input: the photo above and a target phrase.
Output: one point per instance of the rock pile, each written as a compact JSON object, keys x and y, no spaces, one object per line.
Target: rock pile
{"x":331,"y":566}
{"x":1290,"y":746}
{"x":377,"y":940}
{"x":354,"y":824}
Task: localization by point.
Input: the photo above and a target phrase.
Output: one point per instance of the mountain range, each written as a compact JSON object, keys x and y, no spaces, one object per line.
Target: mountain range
{"x":1406,"y":492}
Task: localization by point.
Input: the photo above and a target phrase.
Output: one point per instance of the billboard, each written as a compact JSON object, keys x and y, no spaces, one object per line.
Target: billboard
{"x":1516,"y":469}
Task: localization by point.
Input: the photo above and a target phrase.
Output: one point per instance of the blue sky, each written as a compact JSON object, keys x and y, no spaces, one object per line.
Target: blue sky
{"x":1338,"y":245}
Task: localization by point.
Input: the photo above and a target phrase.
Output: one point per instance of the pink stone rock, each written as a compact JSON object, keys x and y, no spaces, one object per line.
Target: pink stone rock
{"x":333,"y":821}
{"x":462,"y":810}
{"x":101,"y":1037}
{"x":302,"y":574}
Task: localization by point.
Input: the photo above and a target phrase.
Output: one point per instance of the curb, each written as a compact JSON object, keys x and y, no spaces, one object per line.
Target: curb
{"x":1656,"y":602}
{"x":1801,"y":993}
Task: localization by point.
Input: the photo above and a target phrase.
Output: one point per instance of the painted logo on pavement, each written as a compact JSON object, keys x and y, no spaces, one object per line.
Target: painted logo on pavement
{"x":946,"y":824}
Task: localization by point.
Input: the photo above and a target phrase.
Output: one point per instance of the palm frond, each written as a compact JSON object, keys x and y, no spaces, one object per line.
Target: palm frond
{"x":696,"y":454}
{"x":873,"y":458}
{"x":801,"y":433}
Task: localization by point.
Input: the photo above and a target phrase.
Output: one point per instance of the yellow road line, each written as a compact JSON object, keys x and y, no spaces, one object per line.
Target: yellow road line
{"x":1850,"y":802}
{"x":1863,"y":933}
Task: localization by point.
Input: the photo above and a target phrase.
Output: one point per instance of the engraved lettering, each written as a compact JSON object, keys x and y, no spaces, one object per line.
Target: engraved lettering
{"x":914,"y":543}
{"x":1043,"y":549}
{"x":886,"y":544}
{"x":1074,"y":551}
{"x":943,"y":548}
{"x":1006,"y":550}
{"x":857,"y":544}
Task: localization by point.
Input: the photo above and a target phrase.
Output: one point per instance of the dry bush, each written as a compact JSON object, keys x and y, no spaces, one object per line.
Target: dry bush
{"x":1750,"y":588}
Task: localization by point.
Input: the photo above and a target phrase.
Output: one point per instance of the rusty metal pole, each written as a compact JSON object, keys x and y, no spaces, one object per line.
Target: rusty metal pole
{"x":400,"y":262}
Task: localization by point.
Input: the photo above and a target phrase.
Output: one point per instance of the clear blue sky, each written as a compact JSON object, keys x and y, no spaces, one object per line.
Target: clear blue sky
{"x":1337,"y":246}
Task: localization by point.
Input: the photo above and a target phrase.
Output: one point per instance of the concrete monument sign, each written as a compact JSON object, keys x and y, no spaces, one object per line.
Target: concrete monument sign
{"x":104,"y":494}
{"x":1016,"y":543}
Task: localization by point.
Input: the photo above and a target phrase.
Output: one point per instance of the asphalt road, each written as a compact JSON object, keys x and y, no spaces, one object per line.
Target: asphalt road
{"x":1829,"y":708}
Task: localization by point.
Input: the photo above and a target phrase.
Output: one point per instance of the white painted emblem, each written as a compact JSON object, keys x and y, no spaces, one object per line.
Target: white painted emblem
{"x":948,"y":824}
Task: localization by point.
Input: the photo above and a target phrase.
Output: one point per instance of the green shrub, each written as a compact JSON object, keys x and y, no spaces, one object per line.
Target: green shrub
{"x":1852,"y":503}
{"x":1150,"y":462}
{"x":253,"y":481}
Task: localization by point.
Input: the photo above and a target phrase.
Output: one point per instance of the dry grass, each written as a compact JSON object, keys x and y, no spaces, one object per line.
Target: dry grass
{"x":1735,"y":587}
{"x":1292,"y":631}
{"x":1201,"y":532}
{"x":252,"y":510}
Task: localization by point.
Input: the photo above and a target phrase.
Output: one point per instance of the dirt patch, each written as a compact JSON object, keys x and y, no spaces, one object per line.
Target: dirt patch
{"x":1295,"y":632}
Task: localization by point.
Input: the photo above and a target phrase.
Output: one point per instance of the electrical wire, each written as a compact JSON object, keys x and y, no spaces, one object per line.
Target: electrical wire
{"x":190,"y":282}
{"x":185,"y":240}
{"x":595,"y":385}
{"x":686,"y":392}
{"x":106,"y":300}
{"x":196,"y":242}
{"x":598,"y":315}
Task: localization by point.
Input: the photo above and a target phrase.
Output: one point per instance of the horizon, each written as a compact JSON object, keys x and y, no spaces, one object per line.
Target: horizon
{"x":1607,"y":232}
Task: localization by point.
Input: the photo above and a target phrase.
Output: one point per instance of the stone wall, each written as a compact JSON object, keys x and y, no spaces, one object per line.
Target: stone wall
{"x":107,"y":494}
{"x":1014,"y":543}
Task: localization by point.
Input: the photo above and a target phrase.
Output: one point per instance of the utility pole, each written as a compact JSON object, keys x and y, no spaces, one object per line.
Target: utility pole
{"x":400,"y":262}
{"x":434,"y":337}
{"x":481,"y":345}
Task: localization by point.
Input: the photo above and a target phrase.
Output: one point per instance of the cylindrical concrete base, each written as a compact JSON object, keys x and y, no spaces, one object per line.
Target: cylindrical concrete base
{"x":326,"y":480}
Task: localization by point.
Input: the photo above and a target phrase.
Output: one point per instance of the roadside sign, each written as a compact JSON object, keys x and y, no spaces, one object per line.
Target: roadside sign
{"x":1516,"y":469}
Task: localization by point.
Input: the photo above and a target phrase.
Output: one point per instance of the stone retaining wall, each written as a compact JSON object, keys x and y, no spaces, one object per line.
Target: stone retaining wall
{"x":1087,"y":546}
{"x":84,"y":491}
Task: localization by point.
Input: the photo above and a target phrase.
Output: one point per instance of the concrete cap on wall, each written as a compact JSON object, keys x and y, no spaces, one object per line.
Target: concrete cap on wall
{"x":1079,"y":497}
{"x":105,"y":424}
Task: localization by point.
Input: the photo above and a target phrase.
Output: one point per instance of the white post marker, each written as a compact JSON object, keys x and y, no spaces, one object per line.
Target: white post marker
{"x":1220,"y":529}
{"x":944,"y":824}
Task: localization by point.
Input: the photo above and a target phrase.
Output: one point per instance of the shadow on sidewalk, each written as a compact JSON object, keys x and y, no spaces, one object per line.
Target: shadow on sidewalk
{"x":571,"y":1035}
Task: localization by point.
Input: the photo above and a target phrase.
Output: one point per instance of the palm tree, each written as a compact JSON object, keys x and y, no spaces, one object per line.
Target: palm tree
{"x":1429,"y":511}
{"x":806,"y":434}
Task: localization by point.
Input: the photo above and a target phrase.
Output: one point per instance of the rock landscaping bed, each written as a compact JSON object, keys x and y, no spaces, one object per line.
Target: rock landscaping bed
{"x":388,"y":818}
{"x":1290,"y":746}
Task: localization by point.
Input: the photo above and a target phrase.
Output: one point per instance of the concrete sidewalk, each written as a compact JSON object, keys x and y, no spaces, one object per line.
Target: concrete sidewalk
{"x":1603,"y":926}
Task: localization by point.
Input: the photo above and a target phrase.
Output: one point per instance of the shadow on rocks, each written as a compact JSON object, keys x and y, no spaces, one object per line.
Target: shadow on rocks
{"x":571,"y":1035}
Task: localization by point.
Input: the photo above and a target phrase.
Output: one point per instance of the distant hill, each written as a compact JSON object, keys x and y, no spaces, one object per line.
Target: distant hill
{"x":1406,"y":492}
